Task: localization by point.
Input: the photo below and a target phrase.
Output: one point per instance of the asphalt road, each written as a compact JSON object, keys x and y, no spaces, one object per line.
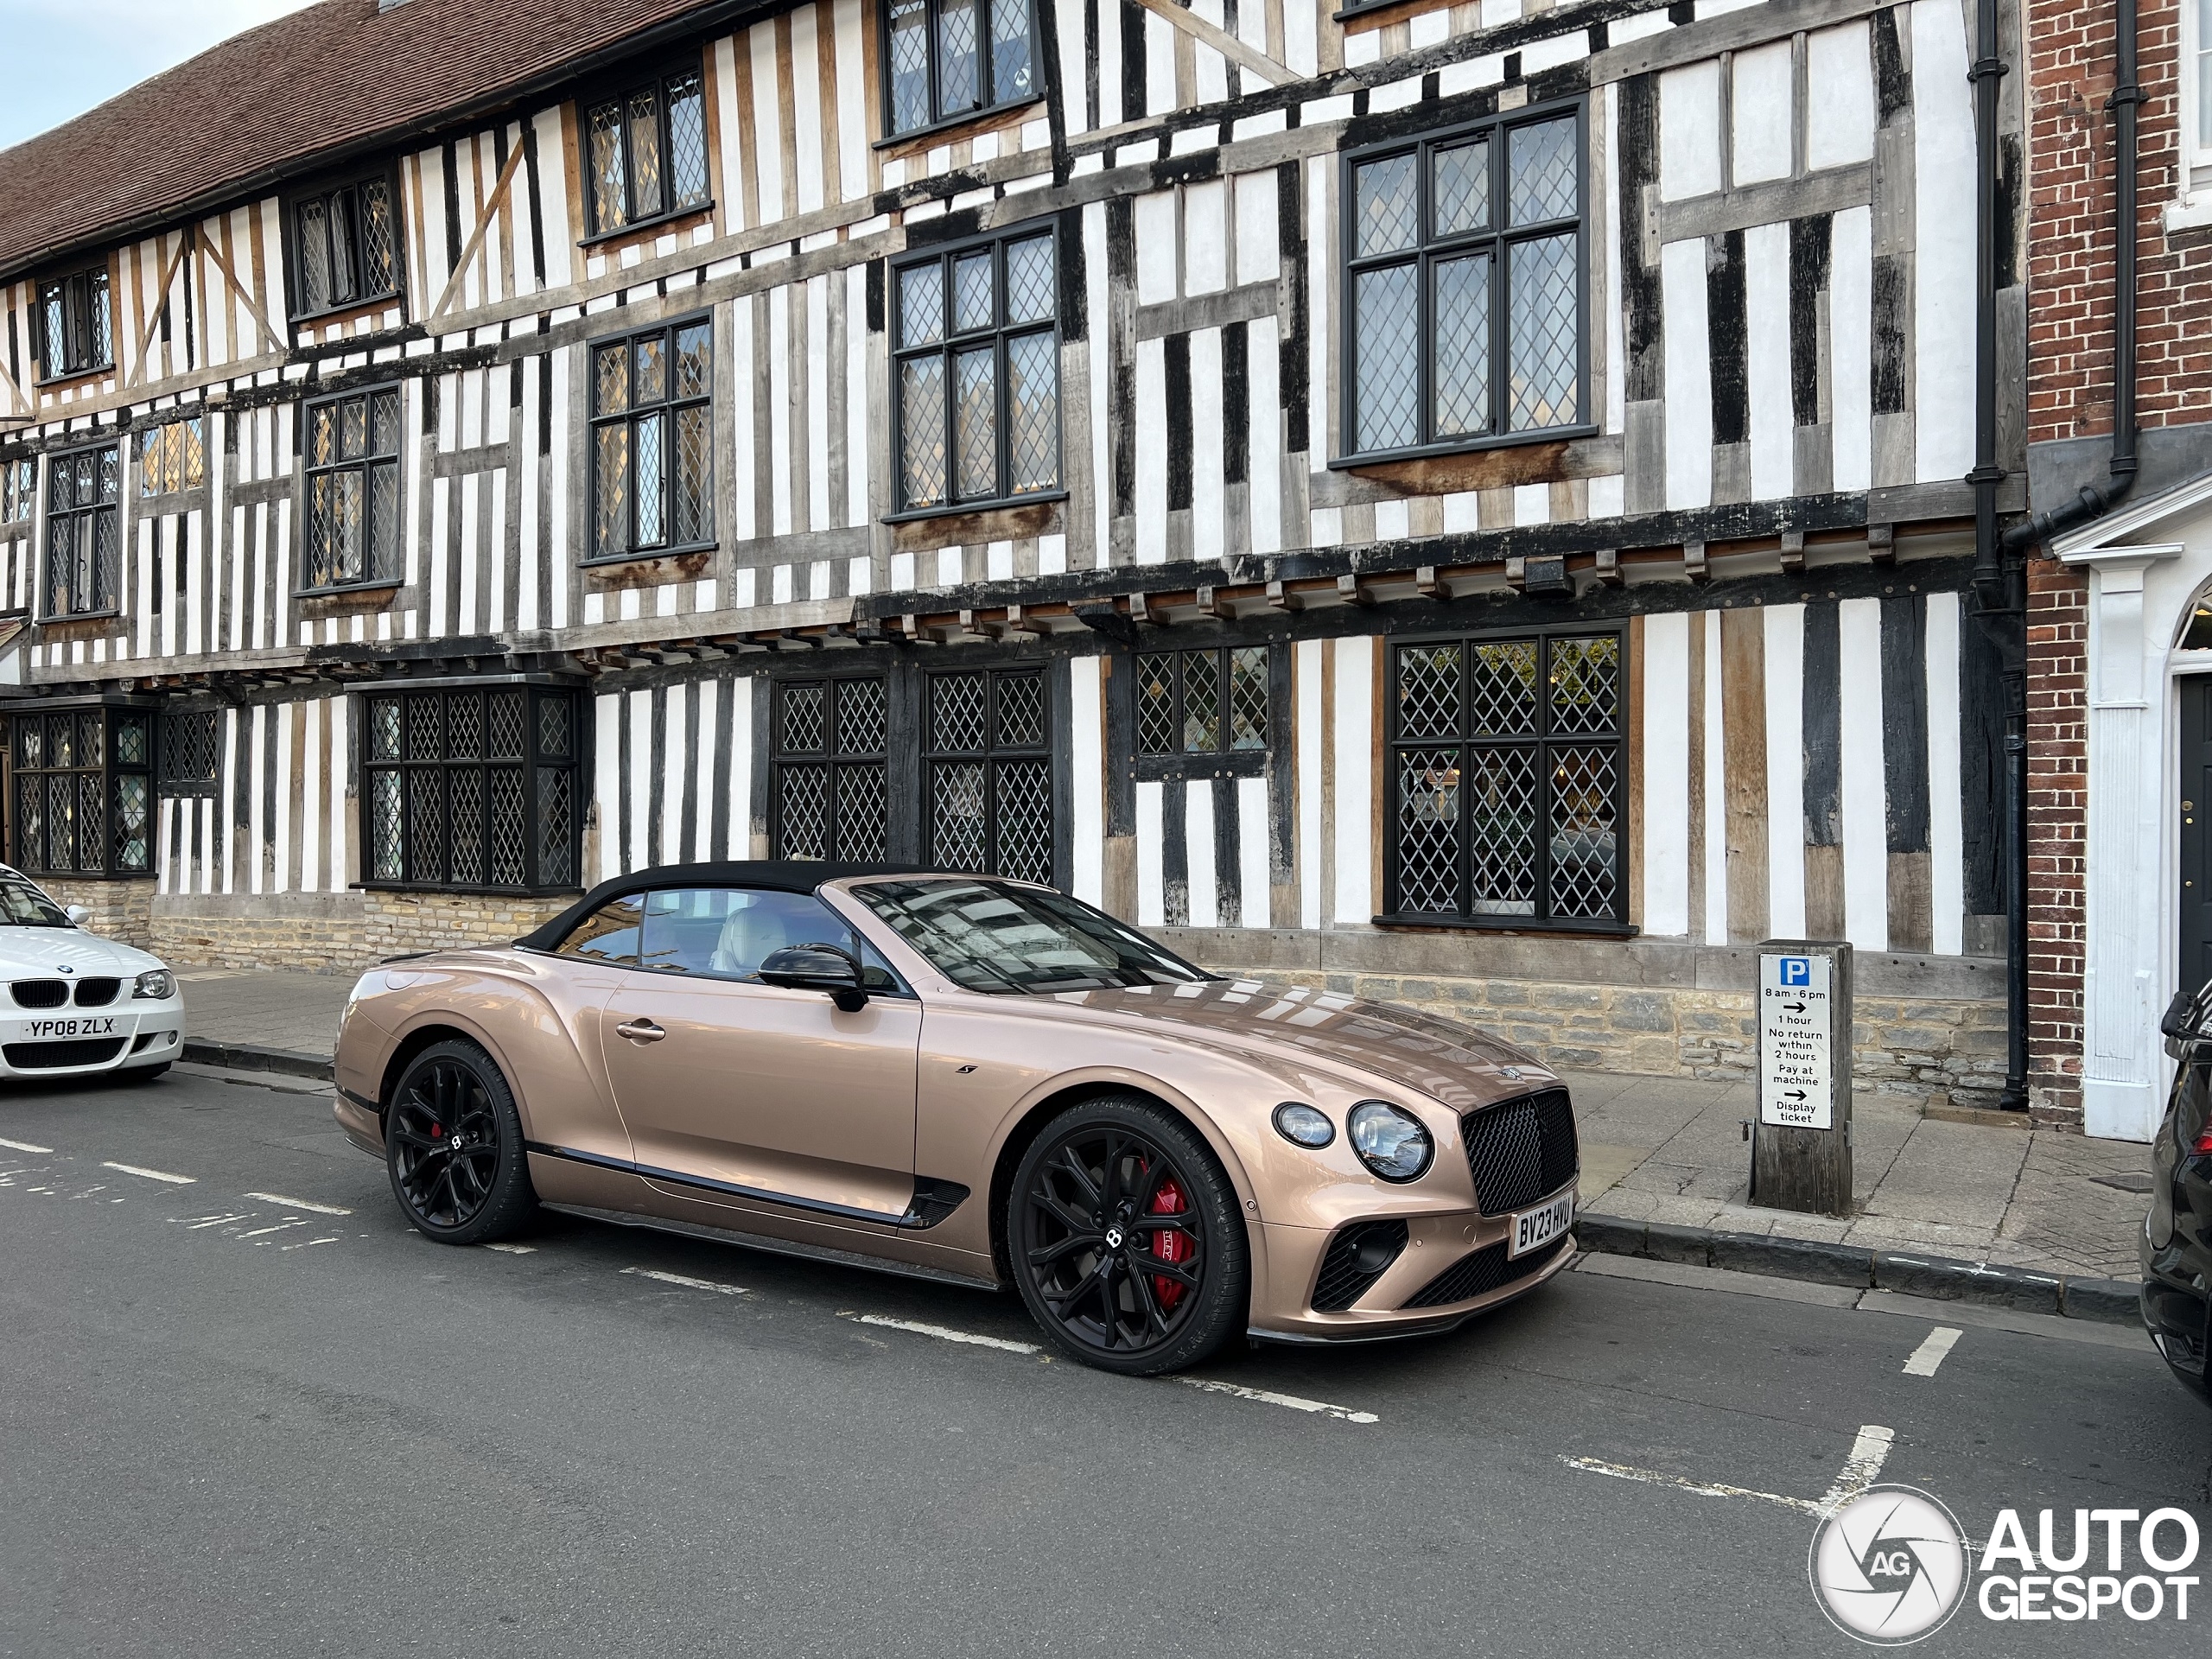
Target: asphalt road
{"x":234,"y":1424}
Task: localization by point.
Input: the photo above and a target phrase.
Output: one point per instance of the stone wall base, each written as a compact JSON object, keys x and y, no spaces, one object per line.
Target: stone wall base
{"x":329,"y":933}
{"x":120,"y":910}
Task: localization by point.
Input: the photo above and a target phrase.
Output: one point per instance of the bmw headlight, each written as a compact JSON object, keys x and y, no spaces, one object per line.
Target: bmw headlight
{"x":157,"y":985}
{"x":1392,"y":1143}
{"x":1296,"y":1121}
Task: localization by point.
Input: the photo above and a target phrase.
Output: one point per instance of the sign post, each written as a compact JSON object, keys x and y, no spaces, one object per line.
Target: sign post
{"x":1801,"y":1151}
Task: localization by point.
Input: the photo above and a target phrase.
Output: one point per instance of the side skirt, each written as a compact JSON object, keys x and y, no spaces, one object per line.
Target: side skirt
{"x":776,"y":1246}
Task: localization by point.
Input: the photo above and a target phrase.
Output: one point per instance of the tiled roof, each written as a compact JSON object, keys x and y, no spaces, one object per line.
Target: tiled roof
{"x":339,"y":74}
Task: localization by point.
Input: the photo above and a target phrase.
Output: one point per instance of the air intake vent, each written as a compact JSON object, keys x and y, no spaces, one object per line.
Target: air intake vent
{"x":1356,"y":1258}
{"x":1487,"y":1269}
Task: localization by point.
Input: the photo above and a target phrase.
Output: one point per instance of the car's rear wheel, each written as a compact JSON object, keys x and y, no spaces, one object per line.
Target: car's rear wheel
{"x":1125,"y":1239}
{"x":453,"y":1144}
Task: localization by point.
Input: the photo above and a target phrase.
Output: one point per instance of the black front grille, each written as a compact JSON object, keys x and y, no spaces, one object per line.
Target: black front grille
{"x":97,"y":993}
{"x":1356,"y":1258}
{"x":52,"y":1057}
{"x":40,"y":993}
{"x":1520,"y":1151}
{"x":1487,"y":1269}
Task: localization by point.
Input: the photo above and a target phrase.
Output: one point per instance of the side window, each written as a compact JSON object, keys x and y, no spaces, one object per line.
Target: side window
{"x":77,"y":328}
{"x":727,"y":932}
{"x":949,"y":60}
{"x":646,"y":152}
{"x":652,"y":442}
{"x":609,"y":934}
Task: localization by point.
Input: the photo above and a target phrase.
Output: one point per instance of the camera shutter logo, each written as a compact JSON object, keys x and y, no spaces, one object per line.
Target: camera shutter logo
{"x":1889,"y":1566}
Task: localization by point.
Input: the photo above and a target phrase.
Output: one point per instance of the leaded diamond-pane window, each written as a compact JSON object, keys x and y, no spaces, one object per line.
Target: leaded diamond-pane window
{"x":470,"y":787}
{"x":1507,"y":780}
{"x":987,"y":772}
{"x":84,"y":791}
{"x":190,"y":752}
{"x":345,"y":247}
{"x":76,"y":326}
{"x":953,"y":58}
{"x":172,"y":457}
{"x":1202,"y":701}
{"x":1464,"y":255}
{"x":645,"y":152}
{"x":352,"y":525}
{"x":83,"y":534}
{"x":830,"y":796}
{"x":653,"y":441}
{"x":976,"y":360}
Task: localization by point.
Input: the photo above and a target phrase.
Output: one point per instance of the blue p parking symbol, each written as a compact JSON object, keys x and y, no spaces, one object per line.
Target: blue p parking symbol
{"x":1797,"y":970}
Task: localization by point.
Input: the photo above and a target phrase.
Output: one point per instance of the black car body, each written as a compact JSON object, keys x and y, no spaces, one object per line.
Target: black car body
{"x":2177,"y":1249}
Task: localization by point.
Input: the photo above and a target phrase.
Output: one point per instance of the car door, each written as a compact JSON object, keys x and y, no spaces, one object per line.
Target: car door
{"x":751,"y":1092}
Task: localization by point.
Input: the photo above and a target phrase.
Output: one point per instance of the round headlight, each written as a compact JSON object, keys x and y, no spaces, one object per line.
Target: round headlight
{"x":1391,"y":1143}
{"x":1296,"y":1121}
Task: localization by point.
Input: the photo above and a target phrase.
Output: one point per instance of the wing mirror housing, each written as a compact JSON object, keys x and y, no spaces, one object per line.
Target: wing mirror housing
{"x":818,"y":968}
{"x":78,"y":914}
{"x":2179,"y":1026}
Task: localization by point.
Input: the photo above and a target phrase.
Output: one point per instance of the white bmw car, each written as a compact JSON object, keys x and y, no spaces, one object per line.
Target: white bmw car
{"x":75,"y":1003}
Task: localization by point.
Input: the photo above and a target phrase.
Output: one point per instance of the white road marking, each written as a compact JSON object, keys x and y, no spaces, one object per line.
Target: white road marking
{"x":23,"y":1146}
{"x":258,"y":1231}
{"x":684,"y":1280}
{"x":1869,"y":1450}
{"x":282,"y":1202}
{"x":217,"y":1220}
{"x":304,"y":1242}
{"x":942,"y":1333}
{"x":1266,"y":1398}
{"x":508,"y":1249}
{"x":154,"y":1174}
{"x":1930,"y":1355}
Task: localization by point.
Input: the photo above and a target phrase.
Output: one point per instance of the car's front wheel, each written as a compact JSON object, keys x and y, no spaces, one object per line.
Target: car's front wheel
{"x":453,"y":1144}
{"x":1126,"y":1240}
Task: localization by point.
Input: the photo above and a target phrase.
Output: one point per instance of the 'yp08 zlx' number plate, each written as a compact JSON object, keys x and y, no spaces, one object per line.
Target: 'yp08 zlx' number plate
{"x":1534,"y":1229}
{"x":93,"y":1027}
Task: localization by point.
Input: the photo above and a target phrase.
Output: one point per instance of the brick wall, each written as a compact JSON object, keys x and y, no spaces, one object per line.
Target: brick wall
{"x":2071,"y":157}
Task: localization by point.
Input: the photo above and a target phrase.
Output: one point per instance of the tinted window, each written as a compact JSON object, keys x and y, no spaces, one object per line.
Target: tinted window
{"x":727,"y":932}
{"x":608,"y":934}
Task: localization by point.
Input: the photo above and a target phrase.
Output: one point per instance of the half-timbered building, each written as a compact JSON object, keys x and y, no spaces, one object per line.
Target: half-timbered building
{"x":1460,"y":502}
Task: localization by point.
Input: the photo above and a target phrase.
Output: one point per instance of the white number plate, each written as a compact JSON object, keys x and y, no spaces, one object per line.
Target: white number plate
{"x":98,"y":1026}
{"x":1534,"y":1229}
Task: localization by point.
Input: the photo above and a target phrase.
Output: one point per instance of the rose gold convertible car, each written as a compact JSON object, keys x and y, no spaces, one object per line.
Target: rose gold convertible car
{"x":970,"y":1079}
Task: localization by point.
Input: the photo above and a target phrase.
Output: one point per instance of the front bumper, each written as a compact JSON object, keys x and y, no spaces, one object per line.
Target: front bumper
{"x":1283,"y":1296}
{"x":72,"y":1042}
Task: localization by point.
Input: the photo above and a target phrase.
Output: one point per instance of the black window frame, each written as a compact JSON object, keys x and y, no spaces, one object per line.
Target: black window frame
{"x":104,"y":780}
{"x":668,"y":408}
{"x":1430,"y":250}
{"x":940,"y":119}
{"x":833,"y":756}
{"x":18,"y":490}
{"x":950,"y":345}
{"x":82,"y":332}
{"x":1543,"y":917}
{"x":311,"y":581}
{"x":347,"y":190}
{"x":1223,"y":757}
{"x":550,"y":865}
{"x":995,"y":753}
{"x":48,"y":611}
{"x":191,"y":752}
{"x":619,"y":92}
{"x":148,"y":447}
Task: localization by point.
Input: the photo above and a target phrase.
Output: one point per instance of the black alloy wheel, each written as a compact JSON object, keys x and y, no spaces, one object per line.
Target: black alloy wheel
{"x":1126,"y":1239}
{"x":453,"y":1144}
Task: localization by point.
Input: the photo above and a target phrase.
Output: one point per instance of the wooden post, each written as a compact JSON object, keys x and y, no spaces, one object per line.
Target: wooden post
{"x":1800,"y":1146}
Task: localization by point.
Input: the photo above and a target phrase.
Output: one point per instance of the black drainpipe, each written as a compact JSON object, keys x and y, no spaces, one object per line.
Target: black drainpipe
{"x":2001,"y":562}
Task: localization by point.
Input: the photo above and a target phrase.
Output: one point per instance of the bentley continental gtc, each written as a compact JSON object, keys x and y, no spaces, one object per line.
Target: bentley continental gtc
{"x":970,"y":1079}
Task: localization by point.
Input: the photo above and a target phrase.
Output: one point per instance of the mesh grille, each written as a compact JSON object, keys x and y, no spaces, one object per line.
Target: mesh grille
{"x":40,"y":993}
{"x":1487,"y":1269}
{"x":50,"y":1057}
{"x":1343,"y":1281}
{"x":1520,"y":1151}
{"x":97,"y":993}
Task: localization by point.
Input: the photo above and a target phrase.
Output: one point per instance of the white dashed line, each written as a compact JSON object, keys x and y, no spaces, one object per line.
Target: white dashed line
{"x":304,"y":1242}
{"x":198,"y":1222}
{"x":1930,"y":1353}
{"x":23,"y":1146}
{"x":282,"y":1202}
{"x":154,"y":1174}
{"x":1267,"y":1397}
{"x":509,"y":1249}
{"x":687,"y":1282}
{"x":942,"y":1333}
{"x":1869,"y":1450}
{"x":258,"y":1231}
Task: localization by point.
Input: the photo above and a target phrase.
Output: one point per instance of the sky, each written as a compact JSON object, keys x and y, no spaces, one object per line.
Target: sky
{"x":64,"y":56}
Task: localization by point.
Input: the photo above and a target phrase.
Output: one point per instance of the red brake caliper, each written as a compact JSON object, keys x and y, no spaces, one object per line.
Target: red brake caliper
{"x":1169,"y":1244}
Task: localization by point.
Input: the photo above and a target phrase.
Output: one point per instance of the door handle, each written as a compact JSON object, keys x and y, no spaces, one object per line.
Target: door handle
{"x":640,"y":1031}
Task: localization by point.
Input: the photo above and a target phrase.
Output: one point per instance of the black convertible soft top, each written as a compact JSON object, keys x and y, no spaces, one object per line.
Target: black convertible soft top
{"x":780,"y":875}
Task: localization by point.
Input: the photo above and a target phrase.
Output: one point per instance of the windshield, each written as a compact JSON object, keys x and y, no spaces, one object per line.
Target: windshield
{"x":984,"y":936}
{"x":23,"y":904}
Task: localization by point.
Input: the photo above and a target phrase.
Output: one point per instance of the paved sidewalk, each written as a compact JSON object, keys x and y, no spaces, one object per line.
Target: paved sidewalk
{"x":1667,"y":1149}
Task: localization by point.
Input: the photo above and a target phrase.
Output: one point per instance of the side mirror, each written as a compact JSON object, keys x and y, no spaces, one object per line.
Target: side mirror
{"x":2177,"y":1025}
{"x":78,"y":914}
{"x":818,"y":968}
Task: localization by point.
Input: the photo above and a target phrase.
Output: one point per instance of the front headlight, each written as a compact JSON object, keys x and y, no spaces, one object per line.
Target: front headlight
{"x":1393,"y":1144}
{"x":1296,"y":1121}
{"x":158,"y":985}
